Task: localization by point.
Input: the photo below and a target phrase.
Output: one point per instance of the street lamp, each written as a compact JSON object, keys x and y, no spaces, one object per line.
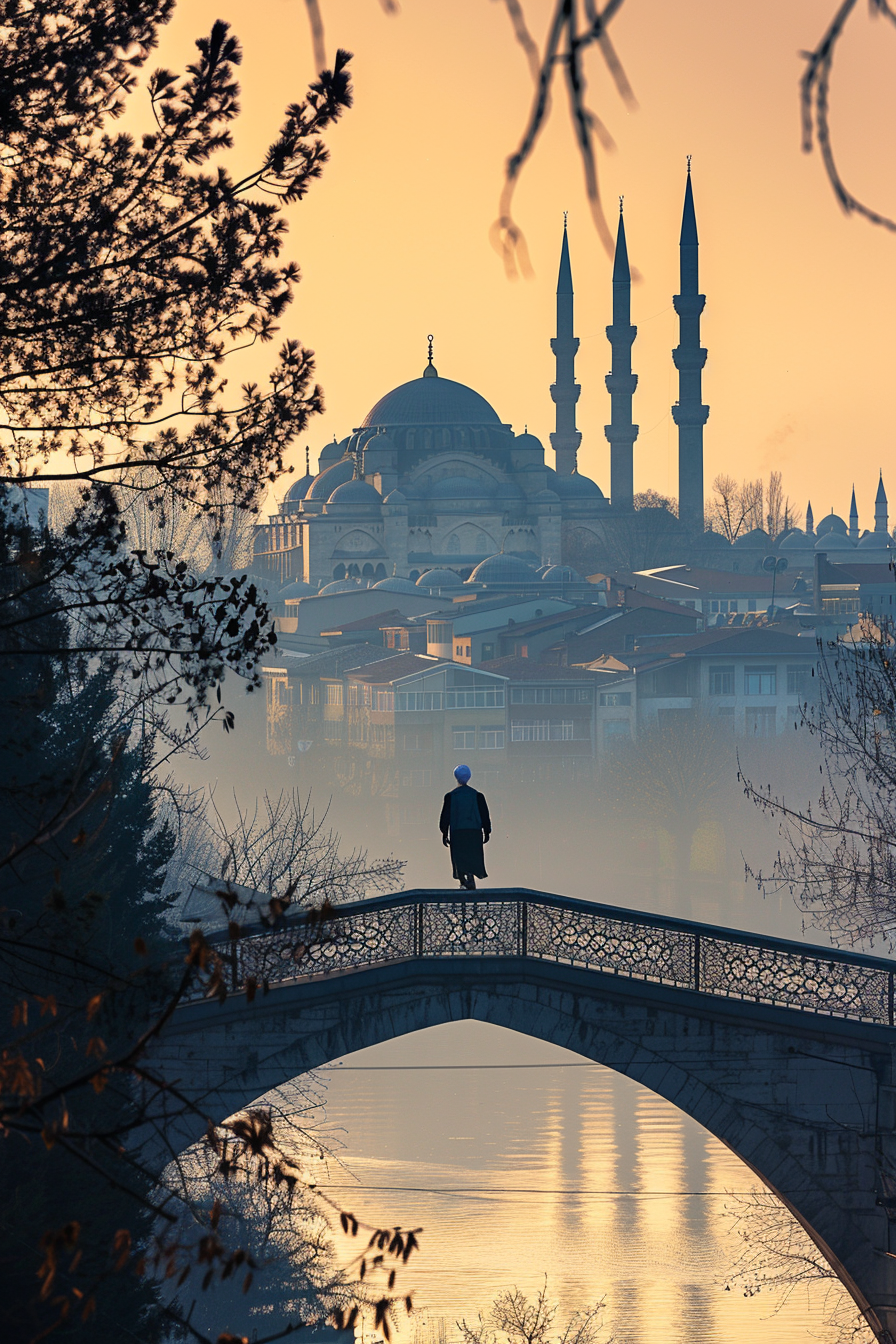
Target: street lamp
{"x":774,"y":565}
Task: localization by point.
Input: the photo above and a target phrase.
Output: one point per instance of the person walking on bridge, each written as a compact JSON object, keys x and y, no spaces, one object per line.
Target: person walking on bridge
{"x":466,"y":826}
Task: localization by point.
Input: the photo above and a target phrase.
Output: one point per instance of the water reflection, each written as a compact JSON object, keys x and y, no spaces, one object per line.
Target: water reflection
{"x":515,"y":1172}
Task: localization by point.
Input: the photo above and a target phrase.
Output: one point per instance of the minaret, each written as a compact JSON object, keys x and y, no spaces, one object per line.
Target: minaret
{"x":565,"y":391}
{"x":853,"y":518}
{"x":621,"y":382}
{"x":810,"y":520}
{"x":881,"y":512}
{"x":689,"y":413}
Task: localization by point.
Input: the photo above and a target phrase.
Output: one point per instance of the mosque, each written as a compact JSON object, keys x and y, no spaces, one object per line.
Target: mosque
{"x":433,"y":483}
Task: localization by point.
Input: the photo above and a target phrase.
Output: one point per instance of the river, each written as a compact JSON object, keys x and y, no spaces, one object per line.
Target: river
{"x":519,"y":1160}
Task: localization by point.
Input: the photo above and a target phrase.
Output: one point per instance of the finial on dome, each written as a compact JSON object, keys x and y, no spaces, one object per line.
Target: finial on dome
{"x":430,"y":371}
{"x":307,"y":460}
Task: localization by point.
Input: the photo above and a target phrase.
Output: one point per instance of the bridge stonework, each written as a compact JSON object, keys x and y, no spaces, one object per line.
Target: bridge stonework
{"x":806,"y":1099}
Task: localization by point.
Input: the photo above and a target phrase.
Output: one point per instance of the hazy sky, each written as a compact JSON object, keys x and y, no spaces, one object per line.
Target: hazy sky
{"x":393,"y":242}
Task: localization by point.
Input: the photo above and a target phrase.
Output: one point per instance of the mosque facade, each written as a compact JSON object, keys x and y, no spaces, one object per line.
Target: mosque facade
{"x":434,"y":482}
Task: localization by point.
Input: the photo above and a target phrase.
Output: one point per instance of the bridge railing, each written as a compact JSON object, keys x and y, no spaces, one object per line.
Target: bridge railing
{"x":703,"y":958}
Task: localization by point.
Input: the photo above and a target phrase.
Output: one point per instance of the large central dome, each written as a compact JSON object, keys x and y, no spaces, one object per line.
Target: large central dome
{"x":431,"y":401}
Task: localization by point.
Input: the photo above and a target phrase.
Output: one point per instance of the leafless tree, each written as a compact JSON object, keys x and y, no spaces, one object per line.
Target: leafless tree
{"x":514,"y":1319}
{"x":780,"y":1258}
{"x":278,"y":845}
{"x":838,"y":856}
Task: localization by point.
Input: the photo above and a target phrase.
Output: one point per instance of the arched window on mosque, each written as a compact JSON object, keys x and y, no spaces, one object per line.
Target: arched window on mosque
{"x":339,"y":572}
{"x":354,"y":572}
{"x":445,"y":436}
{"x":461,"y":439}
{"x":410,"y":440}
{"x":427,"y":440}
{"x":367,"y":572}
{"x":380,"y":572}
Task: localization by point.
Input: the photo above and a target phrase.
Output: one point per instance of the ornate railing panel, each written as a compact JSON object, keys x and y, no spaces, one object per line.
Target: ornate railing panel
{"x":672,"y":952}
{"x":619,"y":946}
{"x":471,"y":929}
{"x":793,"y":980}
{"x":362,"y":940}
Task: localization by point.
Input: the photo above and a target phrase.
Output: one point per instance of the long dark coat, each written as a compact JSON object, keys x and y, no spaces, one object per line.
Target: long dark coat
{"x":466,"y":822}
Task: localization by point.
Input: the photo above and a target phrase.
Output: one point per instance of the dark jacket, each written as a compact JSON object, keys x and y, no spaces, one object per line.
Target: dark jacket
{"x":465,"y":810}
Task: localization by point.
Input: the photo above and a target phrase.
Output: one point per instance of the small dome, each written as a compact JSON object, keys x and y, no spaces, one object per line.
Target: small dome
{"x":529,"y":441}
{"x":875,"y":541}
{"x":561,"y":574}
{"x":758,"y":537}
{"x":717,"y":540}
{"x":297,"y":588}
{"x":832,"y":523}
{"x":576,"y":487}
{"x":327,"y":481}
{"x":394,"y":584}
{"x":547,"y":497}
{"x":355,"y":492}
{"x":505,"y":570}
{"x":340,"y":586}
{"x":796,"y":541}
{"x":331,"y":453}
{"x":396,"y":497}
{"x":834,"y":541}
{"x":460,"y":487}
{"x":297,"y":490}
{"x":439,"y":578}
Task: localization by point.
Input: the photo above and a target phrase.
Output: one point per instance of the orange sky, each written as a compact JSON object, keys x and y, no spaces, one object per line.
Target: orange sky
{"x":393,"y":242}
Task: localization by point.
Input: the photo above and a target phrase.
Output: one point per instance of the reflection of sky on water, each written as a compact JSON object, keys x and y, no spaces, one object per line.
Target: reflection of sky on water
{"x":573,"y":1172}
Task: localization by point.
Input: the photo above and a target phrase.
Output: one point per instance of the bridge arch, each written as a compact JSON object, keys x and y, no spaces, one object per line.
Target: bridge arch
{"x":805,"y":1100}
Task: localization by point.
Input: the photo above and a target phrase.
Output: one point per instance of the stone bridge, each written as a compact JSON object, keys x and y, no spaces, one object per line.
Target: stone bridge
{"x":783,"y":1051}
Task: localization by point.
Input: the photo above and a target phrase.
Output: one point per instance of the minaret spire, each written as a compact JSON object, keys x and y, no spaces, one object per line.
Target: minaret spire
{"x":853,"y":517}
{"x":810,"y":520}
{"x":881,"y":509}
{"x":621,"y":382}
{"x":689,"y":413}
{"x":565,"y":390}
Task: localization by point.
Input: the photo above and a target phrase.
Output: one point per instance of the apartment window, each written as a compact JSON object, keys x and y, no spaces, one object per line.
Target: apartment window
{"x":382,"y":734}
{"x":551,"y":695}
{"x":417,"y":779}
{"x":760,"y":681}
{"x":760,"y":722}
{"x":616,"y":733}
{"x":385,"y":702}
{"x":458,"y":650}
{"x":542,"y":730}
{"x":417,"y":739}
{"x":529,"y":730}
{"x":616,"y":698}
{"x":798,"y":678}
{"x":751,"y":604}
{"x":415,"y":701}
{"x":725,"y":716}
{"x":488,"y":652}
{"x":721,"y":681}
{"x":491,"y":739}
{"x":474,"y":699}
{"x":440,"y":632}
{"x":463,"y":739}
{"x":334,"y":694}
